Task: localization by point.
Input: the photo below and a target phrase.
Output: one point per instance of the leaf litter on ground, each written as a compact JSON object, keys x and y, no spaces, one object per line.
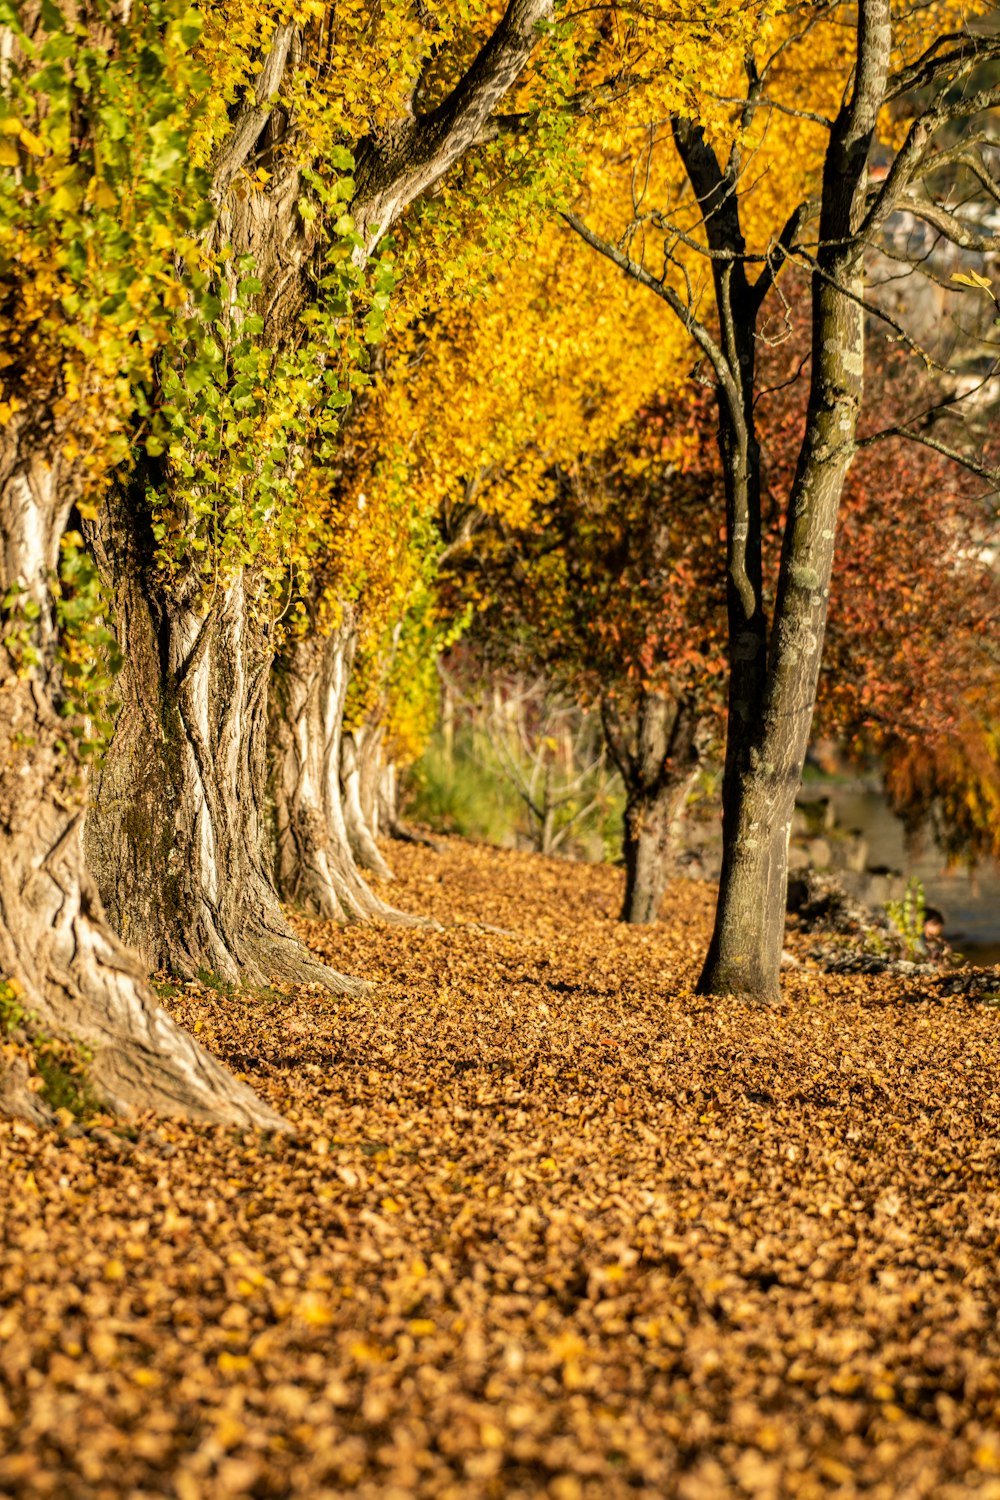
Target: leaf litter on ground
{"x":547,"y":1224}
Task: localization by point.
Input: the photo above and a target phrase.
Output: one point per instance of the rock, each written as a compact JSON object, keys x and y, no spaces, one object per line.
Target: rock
{"x":820,"y":854}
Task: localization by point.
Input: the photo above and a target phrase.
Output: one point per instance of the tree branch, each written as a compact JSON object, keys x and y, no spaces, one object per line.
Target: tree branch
{"x":395,"y":165}
{"x":232,"y":153}
{"x":926,"y":441}
{"x":936,"y":66}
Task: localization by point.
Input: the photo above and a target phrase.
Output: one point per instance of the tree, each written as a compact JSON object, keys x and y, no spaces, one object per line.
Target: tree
{"x":198,"y":544}
{"x":930,"y":77}
{"x":96,"y":194}
{"x":613,"y":590}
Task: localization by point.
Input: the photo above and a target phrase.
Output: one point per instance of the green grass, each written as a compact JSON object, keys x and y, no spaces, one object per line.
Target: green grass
{"x":62,"y":1062}
{"x":468,"y":793}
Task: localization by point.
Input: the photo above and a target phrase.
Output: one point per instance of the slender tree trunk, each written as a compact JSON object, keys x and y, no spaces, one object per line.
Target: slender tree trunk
{"x":176,"y":834}
{"x":745,"y":952}
{"x":314,"y":865}
{"x":76,"y":978}
{"x":658,"y":763}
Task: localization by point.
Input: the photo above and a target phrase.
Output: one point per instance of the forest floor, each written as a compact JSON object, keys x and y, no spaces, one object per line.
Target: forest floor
{"x":547,"y":1225}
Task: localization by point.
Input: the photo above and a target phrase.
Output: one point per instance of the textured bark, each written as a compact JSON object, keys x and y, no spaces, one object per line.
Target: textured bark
{"x":77,"y":978}
{"x":358,"y":779}
{"x":658,"y":762}
{"x":770,"y":745}
{"x":176,"y":833}
{"x":314,"y":864}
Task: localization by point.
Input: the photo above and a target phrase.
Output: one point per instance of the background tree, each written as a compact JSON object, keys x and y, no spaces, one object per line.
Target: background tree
{"x":774,"y":665}
{"x":614,"y":592}
{"x":97,"y":193}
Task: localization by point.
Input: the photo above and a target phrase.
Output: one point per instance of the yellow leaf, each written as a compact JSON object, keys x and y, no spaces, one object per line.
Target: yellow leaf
{"x":103,"y":196}
{"x":30,"y":141}
{"x":973,"y":279}
{"x":315,"y":1311}
{"x":232,"y":1364}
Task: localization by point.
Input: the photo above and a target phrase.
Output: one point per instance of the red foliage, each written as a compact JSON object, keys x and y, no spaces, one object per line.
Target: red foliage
{"x":910,"y":666}
{"x":618,"y":588}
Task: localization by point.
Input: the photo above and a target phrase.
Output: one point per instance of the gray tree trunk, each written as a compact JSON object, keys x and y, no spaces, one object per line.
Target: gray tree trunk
{"x":358,"y":777}
{"x":770,"y":743}
{"x":76,"y":978}
{"x":314,"y":863}
{"x":176,"y":833}
{"x":658,"y":756}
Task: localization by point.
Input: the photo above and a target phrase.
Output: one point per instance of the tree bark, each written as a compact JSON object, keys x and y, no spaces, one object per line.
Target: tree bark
{"x":76,"y":978}
{"x":176,"y":833}
{"x":357,"y":754}
{"x":658,"y":763}
{"x":650,"y":842}
{"x":314,"y":864}
{"x":745,"y":952}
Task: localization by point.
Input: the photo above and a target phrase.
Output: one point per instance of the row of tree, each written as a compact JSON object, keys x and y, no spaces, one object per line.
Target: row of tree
{"x":613,"y":595}
{"x":244,"y":432}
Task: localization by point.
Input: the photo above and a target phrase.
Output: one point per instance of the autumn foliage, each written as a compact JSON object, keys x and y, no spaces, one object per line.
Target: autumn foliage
{"x":547,"y":1225}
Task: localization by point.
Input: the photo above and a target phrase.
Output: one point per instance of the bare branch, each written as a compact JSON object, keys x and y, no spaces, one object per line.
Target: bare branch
{"x":926,"y":441}
{"x":764,"y":102}
{"x":958,"y":231}
{"x":936,"y":66}
{"x":684,"y":312}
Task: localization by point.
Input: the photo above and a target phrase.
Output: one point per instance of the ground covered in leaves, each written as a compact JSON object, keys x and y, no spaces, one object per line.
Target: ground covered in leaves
{"x":548,"y":1225}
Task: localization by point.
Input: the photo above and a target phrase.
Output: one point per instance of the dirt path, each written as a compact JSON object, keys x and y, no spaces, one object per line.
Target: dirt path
{"x":549,"y":1226}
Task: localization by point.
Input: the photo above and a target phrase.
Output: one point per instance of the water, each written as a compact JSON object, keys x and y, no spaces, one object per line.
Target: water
{"x":970,"y":902}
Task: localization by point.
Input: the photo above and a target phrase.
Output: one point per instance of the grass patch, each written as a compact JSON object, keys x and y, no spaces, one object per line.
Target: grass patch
{"x":61,"y":1062}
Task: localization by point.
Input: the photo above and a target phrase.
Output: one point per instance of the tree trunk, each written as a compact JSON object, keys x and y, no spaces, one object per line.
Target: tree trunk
{"x":75,"y":976}
{"x":176,"y":835}
{"x":315,"y":868}
{"x":658,"y":763}
{"x":651,"y":823}
{"x":368,"y":741}
{"x":356,"y":753}
{"x":745,"y":952}
{"x":388,"y":798}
